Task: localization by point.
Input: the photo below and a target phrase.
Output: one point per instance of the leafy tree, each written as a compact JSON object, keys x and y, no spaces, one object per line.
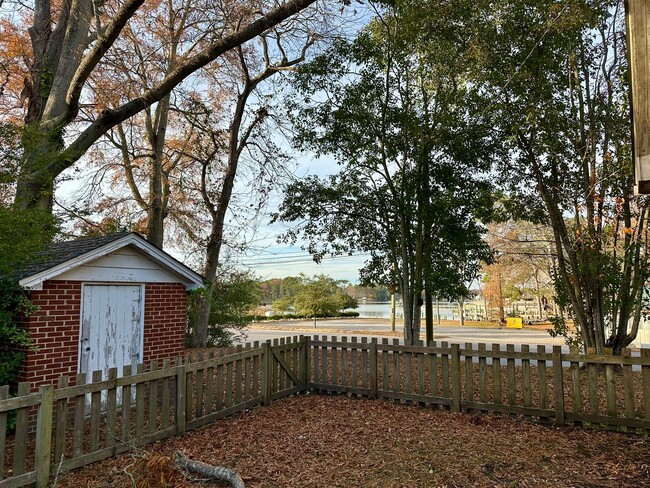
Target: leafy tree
{"x":555,"y":75}
{"x":22,"y":234}
{"x":320,"y":296}
{"x":69,"y":41}
{"x":410,"y":191}
{"x":235,"y":296}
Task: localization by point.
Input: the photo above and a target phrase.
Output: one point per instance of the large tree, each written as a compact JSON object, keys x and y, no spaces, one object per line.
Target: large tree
{"x":69,"y":40}
{"x":556,"y":77}
{"x":400,"y":125}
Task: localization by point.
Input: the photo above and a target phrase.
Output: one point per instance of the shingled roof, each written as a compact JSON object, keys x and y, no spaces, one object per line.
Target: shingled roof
{"x":63,"y":256}
{"x":60,"y":252}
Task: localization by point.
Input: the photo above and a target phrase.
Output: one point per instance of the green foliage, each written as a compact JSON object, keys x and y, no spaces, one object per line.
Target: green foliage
{"x":320,"y":296}
{"x":13,"y":339}
{"x":235,"y":295}
{"x":406,"y":129}
{"x":22,"y":234}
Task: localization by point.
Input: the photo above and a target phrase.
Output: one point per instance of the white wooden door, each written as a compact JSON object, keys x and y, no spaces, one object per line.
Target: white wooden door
{"x":111,"y":328}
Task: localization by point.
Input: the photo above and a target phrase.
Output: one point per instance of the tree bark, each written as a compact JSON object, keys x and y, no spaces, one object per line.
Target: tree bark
{"x":207,"y":470}
{"x":44,"y":163}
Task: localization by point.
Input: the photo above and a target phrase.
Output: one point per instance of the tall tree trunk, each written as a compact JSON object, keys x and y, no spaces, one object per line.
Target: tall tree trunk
{"x":428,"y":314}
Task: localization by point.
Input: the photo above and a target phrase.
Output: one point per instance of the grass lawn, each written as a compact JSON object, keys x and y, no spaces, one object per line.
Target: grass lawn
{"x":338,"y":441}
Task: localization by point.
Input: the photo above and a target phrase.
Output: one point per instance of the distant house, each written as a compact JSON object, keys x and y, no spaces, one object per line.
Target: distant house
{"x":103,"y":302}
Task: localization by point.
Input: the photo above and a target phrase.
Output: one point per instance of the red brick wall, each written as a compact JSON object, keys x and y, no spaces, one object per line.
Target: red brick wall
{"x":54,"y":328}
{"x":164,"y":321}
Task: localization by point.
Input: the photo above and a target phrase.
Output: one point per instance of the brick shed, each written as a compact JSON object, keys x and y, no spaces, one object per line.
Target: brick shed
{"x":104,"y":302}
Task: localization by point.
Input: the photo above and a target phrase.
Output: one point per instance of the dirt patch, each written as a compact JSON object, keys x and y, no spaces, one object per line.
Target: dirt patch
{"x":341,"y":441}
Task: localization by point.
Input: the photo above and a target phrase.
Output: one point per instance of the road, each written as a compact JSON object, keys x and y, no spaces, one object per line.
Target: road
{"x":381,"y":328}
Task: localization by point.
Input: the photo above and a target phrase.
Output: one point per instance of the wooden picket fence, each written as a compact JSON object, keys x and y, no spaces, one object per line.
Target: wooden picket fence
{"x":81,"y":424}
{"x":581,"y":389}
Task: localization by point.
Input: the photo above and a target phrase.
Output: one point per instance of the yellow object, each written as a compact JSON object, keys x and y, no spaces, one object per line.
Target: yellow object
{"x":514,"y":322}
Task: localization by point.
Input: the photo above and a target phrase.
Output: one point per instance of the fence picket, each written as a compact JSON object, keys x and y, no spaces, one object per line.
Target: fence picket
{"x":496,"y":375}
{"x":445,"y":372}
{"x":421,"y":389}
{"x":645,"y":378}
{"x":433,"y":371}
{"x":95,"y":412}
{"x":199,"y":389}
{"x":344,"y":361}
{"x":628,"y":385}
{"x":140,"y":393}
{"x":126,"y":405}
{"x":512,"y":388}
{"x":165,"y":397}
{"x":354,"y":356}
{"x":408,"y":372}
{"x":373,"y":368}
{"x":79,"y":413}
{"x":525,"y":373}
{"x":59,"y":430}
{"x":335,"y":360}
{"x":153,"y":400}
{"x":44,"y":436}
{"x":592,"y":379}
{"x":111,"y":409}
{"x":469,"y":373}
{"x":384,"y":367}
{"x":364,"y":363}
{"x":541,"y":380}
{"x":482,"y":373}
{"x":396,"y":374}
{"x":239,"y":366}
{"x":576,"y":391}
{"x":4,"y":394}
{"x":558,"y":385}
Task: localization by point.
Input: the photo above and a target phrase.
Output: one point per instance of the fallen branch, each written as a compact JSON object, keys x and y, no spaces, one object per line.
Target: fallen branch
{"x":209,"y":471}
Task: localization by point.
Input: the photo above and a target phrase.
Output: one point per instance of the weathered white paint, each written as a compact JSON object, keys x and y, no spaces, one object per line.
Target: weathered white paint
{"x":123,"y":265}
{"x":111,"y":334}
{"x":184,"y":275}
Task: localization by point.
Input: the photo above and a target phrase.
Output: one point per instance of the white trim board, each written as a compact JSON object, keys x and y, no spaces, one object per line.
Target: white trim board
{"x":185,"y":275}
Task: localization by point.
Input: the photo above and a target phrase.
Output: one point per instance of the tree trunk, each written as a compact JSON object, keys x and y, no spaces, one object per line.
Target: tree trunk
{"x":428,"y":314}
{"x":461,"y":307}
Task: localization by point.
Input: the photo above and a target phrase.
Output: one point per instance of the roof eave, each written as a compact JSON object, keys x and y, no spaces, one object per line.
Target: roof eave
{"x":193,"y":280}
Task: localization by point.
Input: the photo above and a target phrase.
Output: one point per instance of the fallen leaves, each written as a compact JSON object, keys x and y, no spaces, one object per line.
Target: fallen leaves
{"x":340,"y":441}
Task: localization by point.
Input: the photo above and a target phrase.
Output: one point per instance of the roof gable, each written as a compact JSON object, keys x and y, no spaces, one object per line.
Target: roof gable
{"x":62,"y":257}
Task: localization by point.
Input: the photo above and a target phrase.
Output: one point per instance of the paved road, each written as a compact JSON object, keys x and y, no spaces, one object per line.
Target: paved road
{"x":375,"y":328}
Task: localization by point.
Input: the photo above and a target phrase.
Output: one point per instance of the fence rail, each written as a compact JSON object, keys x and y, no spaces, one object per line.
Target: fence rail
{"x":599,"y":390}
{"x":99,"y":417}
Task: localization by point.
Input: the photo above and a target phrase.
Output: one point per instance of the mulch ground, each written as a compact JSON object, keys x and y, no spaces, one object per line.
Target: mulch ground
{"x":340,"y":441}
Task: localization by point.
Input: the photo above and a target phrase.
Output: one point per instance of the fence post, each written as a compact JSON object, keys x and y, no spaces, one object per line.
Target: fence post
{"x":179,"y":408}
{"x":558,"y":385}
{"x":267,"y":371}
{"x":455,"y":378}
{"x":44,"y":436}
{"x":306,"y":363}
{"x":373,"y":368}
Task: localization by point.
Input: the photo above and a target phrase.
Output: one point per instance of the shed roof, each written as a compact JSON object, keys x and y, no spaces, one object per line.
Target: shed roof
{"x":63,"y":256}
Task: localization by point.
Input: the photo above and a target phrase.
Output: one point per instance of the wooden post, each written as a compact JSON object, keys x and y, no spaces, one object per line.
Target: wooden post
{"x":558,"y":385}
{"x":267,"y":371}
{"x":455,"y":378}
{"x":181,"y":377}
{"x":44,"y":436}
{"x":638,"y":32}
{"x":373,"y":368}
{"x":305,"y":370}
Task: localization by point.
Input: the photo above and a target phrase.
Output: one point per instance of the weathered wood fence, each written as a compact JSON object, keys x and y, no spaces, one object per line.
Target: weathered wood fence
{"x":78,"y":425}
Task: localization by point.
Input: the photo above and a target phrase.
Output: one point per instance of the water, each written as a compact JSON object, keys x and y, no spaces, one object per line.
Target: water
{"x":381,"y":310}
